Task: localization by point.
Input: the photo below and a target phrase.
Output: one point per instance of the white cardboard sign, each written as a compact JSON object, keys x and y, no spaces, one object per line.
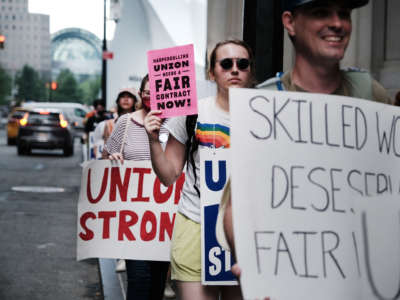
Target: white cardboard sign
{"x":378,"y":229}
{"x":125,"y":212}
{"x":298,"y":161}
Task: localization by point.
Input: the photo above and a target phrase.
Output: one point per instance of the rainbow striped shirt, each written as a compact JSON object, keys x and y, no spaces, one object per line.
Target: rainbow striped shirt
{"x":210,"y":135}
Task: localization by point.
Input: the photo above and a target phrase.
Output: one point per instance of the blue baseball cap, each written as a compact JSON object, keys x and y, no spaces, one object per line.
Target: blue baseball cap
{"x":290,"y":5}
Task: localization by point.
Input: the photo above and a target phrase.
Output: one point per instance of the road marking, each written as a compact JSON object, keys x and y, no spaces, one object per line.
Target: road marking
{"x":38,"y":189}
{"x":46,"y":245}
{"x":38,"y":167}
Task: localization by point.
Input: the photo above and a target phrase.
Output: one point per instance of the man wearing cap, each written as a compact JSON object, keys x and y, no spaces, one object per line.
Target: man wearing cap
{"x":320,"y":32}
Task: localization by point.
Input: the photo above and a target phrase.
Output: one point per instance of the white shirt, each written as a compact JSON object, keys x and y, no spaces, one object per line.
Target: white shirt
{"x":212,"y":130}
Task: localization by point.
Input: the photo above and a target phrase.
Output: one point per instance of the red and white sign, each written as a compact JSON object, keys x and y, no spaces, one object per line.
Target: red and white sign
{"x":125,"y":212}
{"x":108,"y":55}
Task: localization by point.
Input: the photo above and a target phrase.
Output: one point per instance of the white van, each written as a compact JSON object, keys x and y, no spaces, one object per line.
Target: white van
{"x":74,"y":112}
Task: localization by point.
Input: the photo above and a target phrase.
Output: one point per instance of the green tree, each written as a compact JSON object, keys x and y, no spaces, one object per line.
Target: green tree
{"x":5,"y":86}
{"x":68,"y":89}
{"x":90,"y":89}
{"x":29,"y":85}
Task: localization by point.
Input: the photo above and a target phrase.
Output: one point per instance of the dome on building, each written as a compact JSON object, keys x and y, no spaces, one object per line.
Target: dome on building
{"x":77,"y":50}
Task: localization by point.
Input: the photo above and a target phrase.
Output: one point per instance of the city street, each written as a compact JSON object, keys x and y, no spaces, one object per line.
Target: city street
{"x":38,"y":229}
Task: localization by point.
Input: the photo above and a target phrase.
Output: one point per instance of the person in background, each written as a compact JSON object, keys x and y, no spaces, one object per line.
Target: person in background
{"x":126,"y":101}
{"x":98,"y":116}
{"x":320,"y":32}
{"x":231,"y":66}
{"x":146,"y":279}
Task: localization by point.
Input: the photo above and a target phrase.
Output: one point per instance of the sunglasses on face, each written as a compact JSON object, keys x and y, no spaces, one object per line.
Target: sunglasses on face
{"x":241,"y":63}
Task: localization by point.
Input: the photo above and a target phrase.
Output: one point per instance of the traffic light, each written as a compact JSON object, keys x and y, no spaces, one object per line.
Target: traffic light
{"x":54,"y":85}
{"x":2,"y":40}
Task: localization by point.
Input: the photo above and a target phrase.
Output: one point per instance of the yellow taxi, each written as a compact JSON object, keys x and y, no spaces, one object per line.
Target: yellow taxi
{"x":13,"y":124}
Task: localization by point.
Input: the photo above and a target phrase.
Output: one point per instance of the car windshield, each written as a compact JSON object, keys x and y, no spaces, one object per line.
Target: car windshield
{"x":79,"y":112}
{"x":37,"y":118}
{"x":18,"y":114}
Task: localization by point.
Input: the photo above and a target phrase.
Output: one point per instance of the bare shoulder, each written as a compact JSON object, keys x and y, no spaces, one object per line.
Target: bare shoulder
{"x":137,"y":116}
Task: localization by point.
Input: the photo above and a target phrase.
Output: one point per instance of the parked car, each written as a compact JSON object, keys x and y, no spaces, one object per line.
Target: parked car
{"x":13,"y":124}
{"x":44,"y":129}
{"x":75,"y":112}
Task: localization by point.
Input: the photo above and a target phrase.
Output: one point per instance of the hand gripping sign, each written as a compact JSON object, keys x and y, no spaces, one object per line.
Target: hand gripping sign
{"x":125,"y":212}
{"x":299,"y":161}
{"x":172,"y":78}
{"x":214,"y":172}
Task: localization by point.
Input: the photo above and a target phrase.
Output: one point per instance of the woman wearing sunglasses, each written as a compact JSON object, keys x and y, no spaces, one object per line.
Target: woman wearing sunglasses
{"x":231,"y":65}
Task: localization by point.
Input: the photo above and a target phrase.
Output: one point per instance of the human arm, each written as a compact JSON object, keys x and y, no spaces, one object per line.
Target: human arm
{"x":224,"y":226}
{"x":113,"y":147}
{"x":168,"y":164}
{"x":114,"y":156}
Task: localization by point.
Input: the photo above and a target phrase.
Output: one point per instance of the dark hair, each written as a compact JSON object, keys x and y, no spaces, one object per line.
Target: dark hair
{"x":213,"y":57}
{"x":120,"y":110}
{"x":397,"y":99}
{"x":143,"y":83}
{"x":97,"y":102}
{"x":192,"y":143}
{"x":141,"y":89}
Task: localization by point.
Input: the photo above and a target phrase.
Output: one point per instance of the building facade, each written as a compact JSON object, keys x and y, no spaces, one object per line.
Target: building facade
{"x":78,"y":50}
{"x":145,"y":25}
{"x":27,"y":35}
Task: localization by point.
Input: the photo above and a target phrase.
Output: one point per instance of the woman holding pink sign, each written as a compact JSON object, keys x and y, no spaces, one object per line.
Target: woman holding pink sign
{"x":146,"y":279}
{"x":231,"y":65}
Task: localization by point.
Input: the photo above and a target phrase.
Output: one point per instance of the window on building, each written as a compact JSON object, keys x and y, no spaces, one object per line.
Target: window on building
{"x":13,"y":27}
{"x":13,"y":17}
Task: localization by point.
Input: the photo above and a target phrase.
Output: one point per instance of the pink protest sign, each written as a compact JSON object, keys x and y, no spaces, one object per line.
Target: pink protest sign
{"x":172,"y":81}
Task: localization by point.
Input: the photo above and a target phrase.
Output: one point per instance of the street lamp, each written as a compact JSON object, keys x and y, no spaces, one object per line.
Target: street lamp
{"x":104,"y":66}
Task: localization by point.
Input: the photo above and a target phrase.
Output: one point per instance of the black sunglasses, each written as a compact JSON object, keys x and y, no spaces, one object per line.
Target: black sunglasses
{"x":241,"y":63}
